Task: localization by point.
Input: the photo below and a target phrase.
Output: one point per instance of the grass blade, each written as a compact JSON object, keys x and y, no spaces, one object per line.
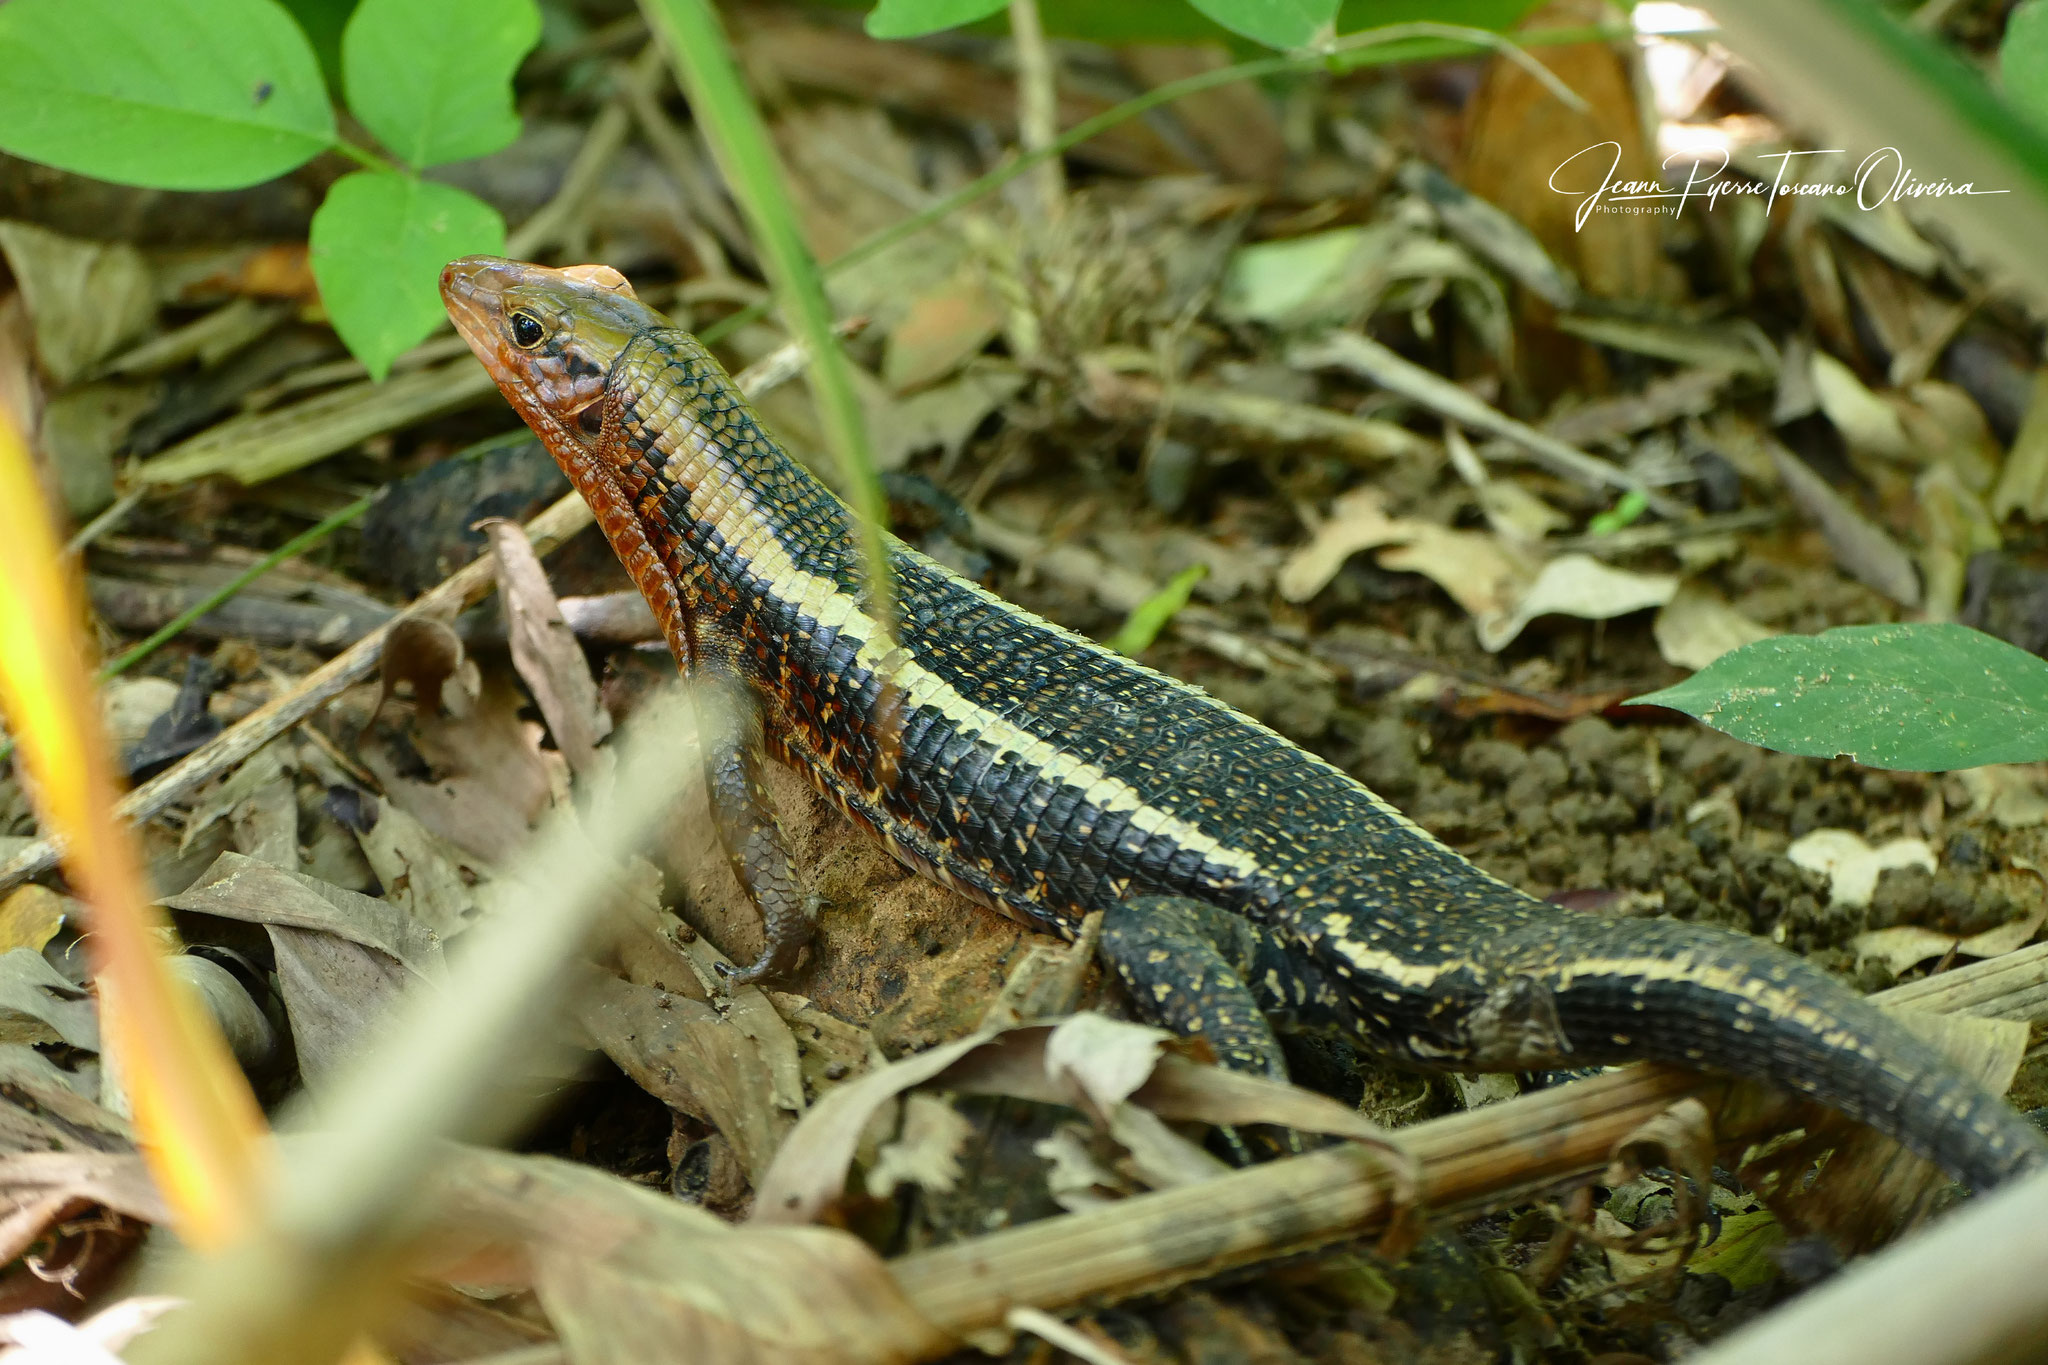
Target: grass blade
{"x":197,"y":1122}
{"x":719,"y":98}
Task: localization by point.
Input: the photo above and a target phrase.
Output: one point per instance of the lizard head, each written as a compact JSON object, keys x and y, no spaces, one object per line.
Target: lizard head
{"x":548,"y":337}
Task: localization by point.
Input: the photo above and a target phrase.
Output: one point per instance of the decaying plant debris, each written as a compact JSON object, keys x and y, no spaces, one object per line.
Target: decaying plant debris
{"x":1457,"y":475}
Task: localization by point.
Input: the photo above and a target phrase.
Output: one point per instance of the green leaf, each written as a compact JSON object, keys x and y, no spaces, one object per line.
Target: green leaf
{"x":1499,"y":15}
{"x":379,"y":242}
{"x":1150,"y":616}
{"x":915,"y":18}
{"x":2023,"y":59}
{"x":1276,"y":23}
{"x":1924,"y":698}
{"x":433,"y":78}
{"x":324,"y":21}
{"x":171,"y":94}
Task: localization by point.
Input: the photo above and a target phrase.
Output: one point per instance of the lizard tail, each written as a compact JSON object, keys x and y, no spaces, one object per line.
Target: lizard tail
{"x":1720,"y":1001}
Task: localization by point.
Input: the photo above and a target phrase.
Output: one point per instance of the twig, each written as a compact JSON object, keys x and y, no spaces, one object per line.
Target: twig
{"x":1153,"y":1242}
{"x":1362,"y":356}
{"x":1037,"y":102}
{"x":354,"y":664}
{"x":106,"y":521}
{"x":1471,"y":1161}
{"x":1248,"y":416}
{"x":466,"y":585}
{"x":1397,"y":42}
{"x":551,"y":225}
{"x":170,"y":630}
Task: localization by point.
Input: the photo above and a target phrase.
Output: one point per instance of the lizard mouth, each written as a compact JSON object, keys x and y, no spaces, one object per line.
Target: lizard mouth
{"x":473,"y":291}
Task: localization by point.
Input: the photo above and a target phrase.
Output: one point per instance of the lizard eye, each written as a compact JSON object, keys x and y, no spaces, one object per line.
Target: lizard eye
{"x":527,"y":332}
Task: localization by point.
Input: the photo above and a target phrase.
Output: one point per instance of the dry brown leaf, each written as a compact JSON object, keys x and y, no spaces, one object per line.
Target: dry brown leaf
{"x":131,"y":705}
{"x":487,"y":781}
{"x":545,"y":651}
{"x":342,"y":958}
{"x":1852,"y":866}
{"x":259,"y":801}
{"x":1034,"y":1062}
{"x":1954,"y":528}
{"x":2013,"y":795}
{"x":420,"y":871}
{"x":1519,"y":137}
{"x":1905,"y":946}
{"x":940,"y":417}
{"x":242,"y":888}
{"x":1866,"y":421}
{"x":30,"y":917}
{"x":926,"y":1153}
{"x":809,"y":1171}
{"x":629,"y":1275}
{"x":38,"y":1189}
{"x":941,"y":330}
{"x":426,"y":652}
{"x":1861,"y":547}
{"x":87,"y":298}
{"x":39,"y":1005}
{"x":1698,"y":626}
{"x":1574,"y":585}
{"x":1476,"y":570}
{"x":688,"y":1056}
{"x":1356,"y":521}
{"x":2023,"y":482}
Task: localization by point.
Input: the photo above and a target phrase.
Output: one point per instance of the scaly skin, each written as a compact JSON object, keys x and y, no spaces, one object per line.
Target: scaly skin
{"x":1246,"y":880}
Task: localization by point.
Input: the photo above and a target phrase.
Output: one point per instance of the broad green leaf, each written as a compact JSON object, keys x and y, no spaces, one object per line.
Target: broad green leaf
{"x":379,"y":242}
{"x":915,"y":18}
{"x":172,"y":94}
{"x":324,"y":21}
{"x":433,"y":78}
{"x":1276,"y":23}
{"x":2023,"y":59}
{"x":1924,"y":698}
{"x":1499,"y":15}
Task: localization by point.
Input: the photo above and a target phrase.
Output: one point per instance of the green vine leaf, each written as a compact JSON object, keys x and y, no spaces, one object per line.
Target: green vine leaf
{"x":433,"y":80}
{"x":1284,"y":24}
{"x":169,"y":94}
{"x":915,"y":18}
{"x":378,"y":245}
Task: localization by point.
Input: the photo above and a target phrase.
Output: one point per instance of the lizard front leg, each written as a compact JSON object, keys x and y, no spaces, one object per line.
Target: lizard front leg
{"x":757,"y":847}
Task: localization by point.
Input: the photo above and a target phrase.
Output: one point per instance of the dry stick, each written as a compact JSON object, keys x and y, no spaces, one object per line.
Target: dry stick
{"x":1037,"y":103}
{"x":460,"y":589}
{"x":354,"y":664}
{"x":1469,"y":1162}
{"x":552,"y":225}
{"x":1362,"y":356}
{"x":1153,"y":1242}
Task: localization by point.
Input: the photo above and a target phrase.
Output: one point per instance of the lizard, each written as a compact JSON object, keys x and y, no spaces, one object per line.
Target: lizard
{"x":1246,"y":884}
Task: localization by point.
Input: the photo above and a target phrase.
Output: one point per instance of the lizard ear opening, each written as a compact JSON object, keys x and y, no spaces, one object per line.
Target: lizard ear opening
{"x":590,"y":417}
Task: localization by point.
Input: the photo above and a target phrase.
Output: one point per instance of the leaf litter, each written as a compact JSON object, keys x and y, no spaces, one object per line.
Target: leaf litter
{"x":1253,"y":372}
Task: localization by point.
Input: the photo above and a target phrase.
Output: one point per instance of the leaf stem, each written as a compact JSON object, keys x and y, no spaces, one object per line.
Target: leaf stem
{"x":725,"y":109}
{"x":1409,"y":42}
{"x":370,"y":160}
